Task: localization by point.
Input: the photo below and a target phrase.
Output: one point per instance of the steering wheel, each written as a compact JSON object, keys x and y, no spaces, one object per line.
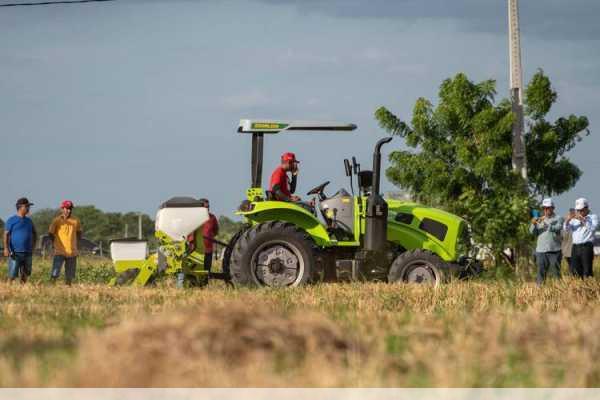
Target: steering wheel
{"x":319,"y":190}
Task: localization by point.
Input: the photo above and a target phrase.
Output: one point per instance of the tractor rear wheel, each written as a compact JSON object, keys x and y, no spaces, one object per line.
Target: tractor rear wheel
{"x":273,"y":254}
{"x":419,"y":266}
{"x":226,"y":264}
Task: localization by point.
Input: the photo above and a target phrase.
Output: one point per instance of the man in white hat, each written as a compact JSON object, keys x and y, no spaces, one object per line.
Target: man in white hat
{"x":548,"y":230}
{"x":583,"y":226}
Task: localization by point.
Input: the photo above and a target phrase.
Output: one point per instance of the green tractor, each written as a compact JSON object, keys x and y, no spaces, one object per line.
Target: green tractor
{"x":344,"y":237}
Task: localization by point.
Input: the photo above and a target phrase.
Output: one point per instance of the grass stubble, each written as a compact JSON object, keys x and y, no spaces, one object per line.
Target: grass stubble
{"x":464,"y":334}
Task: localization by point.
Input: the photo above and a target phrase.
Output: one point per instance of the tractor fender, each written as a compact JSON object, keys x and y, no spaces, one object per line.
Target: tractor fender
{"x":265,"y":211}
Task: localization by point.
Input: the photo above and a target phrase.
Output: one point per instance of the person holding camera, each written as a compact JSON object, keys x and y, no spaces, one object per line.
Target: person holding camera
{"x":19,"y":241}
{"x":582,"y":226}
{"x":548,"y":229}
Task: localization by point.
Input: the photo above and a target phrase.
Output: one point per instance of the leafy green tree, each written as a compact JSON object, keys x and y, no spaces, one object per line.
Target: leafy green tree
{"x":228,"y":228}
{"x":460,"y":155}
{"x":550,"y":170}
{"x":131,"y":220}
{"x":42,"y":219}
{"x":102,"y":227}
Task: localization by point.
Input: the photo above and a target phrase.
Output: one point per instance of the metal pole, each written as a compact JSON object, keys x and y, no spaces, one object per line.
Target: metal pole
{"x":519,"y":155}
{"x":140,"y":226}
{"x":257,"y":159}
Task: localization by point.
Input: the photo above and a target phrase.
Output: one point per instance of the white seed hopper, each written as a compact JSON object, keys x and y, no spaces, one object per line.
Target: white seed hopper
{"x":180,"y":216}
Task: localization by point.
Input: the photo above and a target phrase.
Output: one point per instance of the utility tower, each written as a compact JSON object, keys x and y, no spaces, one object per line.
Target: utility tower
{"x":519,"y":156}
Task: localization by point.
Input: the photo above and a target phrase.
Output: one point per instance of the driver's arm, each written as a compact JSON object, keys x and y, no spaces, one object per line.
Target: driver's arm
{"x":279,"y":195}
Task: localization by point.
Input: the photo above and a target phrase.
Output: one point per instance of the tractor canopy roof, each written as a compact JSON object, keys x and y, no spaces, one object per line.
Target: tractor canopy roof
{"x":277,"y":126}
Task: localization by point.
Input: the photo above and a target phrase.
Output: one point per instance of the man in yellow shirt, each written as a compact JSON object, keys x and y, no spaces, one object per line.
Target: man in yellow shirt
{"x":65,"y":232}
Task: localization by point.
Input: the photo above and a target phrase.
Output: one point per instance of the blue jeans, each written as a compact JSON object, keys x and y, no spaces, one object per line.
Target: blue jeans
{"x":20,"y":264}
{"x":70,"y":267}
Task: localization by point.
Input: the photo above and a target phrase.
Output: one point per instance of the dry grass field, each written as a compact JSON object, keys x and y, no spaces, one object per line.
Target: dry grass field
{"x":479,"y":333}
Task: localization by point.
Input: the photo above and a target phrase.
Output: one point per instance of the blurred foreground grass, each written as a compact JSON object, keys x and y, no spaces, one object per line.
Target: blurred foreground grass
{"x":464,"y":334}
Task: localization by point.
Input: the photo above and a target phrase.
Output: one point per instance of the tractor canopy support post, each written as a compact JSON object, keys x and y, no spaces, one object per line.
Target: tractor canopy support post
{"x":257,"y":159}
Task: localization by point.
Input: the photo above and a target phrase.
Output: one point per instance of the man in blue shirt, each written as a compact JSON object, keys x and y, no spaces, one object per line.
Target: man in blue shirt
{"x":19,"y":240}
{"x":583,"y":227}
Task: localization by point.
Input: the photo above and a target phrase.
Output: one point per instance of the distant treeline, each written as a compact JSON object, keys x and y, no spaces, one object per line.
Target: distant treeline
{"x":102,"y":227}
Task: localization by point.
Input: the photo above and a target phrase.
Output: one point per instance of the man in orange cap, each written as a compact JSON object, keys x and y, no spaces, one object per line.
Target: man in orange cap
{"x":65,"y":231}
{"x":281,"y":186}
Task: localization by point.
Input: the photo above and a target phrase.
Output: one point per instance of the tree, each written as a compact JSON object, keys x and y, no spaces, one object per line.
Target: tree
{"x":131,"y":219}
{"x":461,"y":155}
{"x":100,"y":226}
{"x":550,"y":171}
{"x":42,"y":219}
{"x":228,"y":228}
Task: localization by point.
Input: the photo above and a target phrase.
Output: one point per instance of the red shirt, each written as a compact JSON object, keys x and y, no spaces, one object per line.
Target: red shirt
{"x":279,"y":177}
{"x":209,"y":230}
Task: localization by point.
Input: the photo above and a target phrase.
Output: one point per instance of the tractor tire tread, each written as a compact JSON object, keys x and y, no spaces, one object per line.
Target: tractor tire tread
{"x":241,"y":274}
{"x":397,"y":269}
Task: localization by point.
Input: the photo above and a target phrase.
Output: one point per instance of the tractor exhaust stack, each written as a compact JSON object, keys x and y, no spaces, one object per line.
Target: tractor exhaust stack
{"x":377,"y":208}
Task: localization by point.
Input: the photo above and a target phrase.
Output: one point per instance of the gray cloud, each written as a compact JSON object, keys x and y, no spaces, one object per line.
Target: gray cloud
{"x":552,"y":19}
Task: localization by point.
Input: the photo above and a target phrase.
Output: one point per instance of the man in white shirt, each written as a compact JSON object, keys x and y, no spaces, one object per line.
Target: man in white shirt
{"x":583,"y":226}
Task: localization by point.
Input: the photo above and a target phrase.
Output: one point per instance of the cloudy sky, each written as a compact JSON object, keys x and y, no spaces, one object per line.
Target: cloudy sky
{"x":126,"y":103}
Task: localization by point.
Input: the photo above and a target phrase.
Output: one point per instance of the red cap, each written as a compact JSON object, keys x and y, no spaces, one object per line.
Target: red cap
{"x":289,"y":157}
{"x":66,"y":204}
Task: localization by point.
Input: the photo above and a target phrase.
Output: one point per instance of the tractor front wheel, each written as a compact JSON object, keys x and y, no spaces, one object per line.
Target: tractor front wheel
{"x":273,"y":254}
{"x":419,"y":266}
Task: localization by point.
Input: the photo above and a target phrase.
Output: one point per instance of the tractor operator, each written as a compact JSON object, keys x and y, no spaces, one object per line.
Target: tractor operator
{"x":281,"y":187}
